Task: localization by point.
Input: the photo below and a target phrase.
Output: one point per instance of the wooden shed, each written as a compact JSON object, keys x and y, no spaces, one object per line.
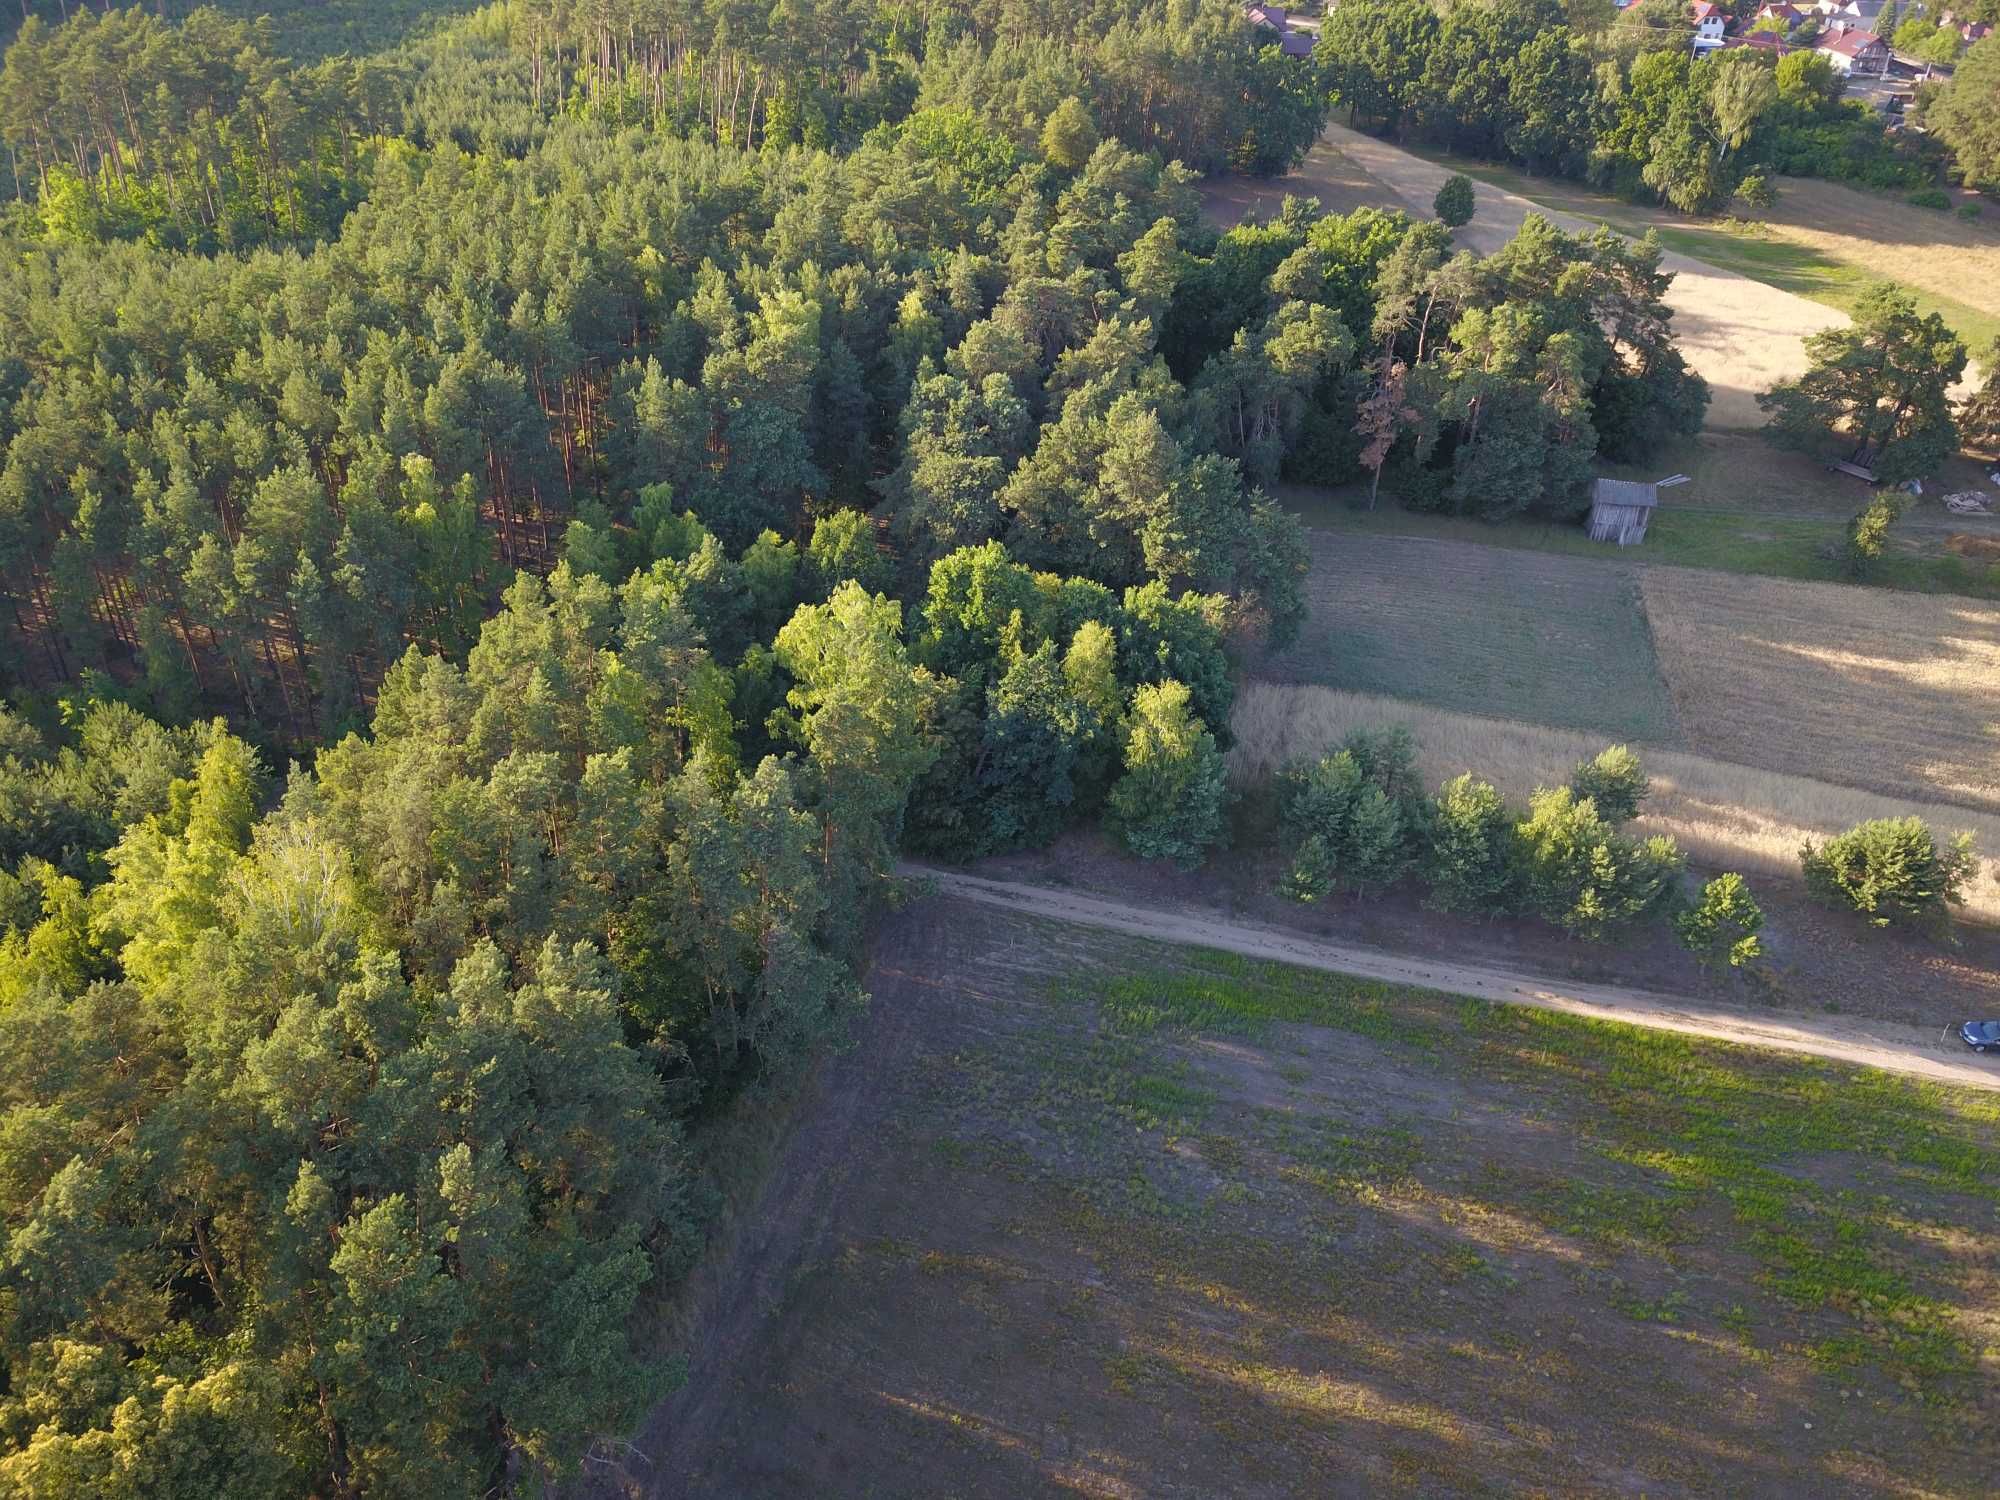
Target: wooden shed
{"x":1621,"y":508}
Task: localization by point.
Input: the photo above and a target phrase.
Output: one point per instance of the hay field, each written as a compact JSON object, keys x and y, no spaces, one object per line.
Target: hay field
{"x":1896,"y":693}
{"x":1939,"y":253}
{"x":1484,"y":630}
{"x":1725,"y":815}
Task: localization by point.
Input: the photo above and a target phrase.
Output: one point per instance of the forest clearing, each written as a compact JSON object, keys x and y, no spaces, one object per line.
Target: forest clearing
{"x":1086,"y":1215}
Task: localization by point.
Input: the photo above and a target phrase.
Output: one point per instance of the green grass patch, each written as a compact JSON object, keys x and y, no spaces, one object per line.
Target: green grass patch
{"x":1479,"y":630}
{"x":1766,"y":545}
{"x":1238,"y":997}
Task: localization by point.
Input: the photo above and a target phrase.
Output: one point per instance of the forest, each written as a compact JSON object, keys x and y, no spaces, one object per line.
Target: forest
{"x":505,"y":539}
{"x":1614,"y":98}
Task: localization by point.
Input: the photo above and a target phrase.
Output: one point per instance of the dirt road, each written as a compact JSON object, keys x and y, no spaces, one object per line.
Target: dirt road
{"x":1876,"y":1044}
{"x":1741,"y":335}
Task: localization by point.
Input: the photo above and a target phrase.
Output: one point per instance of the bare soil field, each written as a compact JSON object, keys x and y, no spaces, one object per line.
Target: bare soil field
{"x":1892,"y":692}
{"x":1101,"y":1219}
{"x":1484,"y":630}
{"x":1728,"y":816}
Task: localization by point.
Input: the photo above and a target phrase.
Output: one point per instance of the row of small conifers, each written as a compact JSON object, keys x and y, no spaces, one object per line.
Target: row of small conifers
{"x":1358,"y":820}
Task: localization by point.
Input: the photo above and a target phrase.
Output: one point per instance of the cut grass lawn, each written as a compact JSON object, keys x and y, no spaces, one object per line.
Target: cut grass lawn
{"x":1895,"y":693}
{"x":1129,"y":1223}
{"x":1483,"y":630}
{"x":1792,"y":524}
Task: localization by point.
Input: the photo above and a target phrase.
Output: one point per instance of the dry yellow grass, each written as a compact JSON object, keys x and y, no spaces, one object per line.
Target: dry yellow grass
{"x":1726,"y":816}
{"x":1939,"y":252}
{"x":1888,"y":691}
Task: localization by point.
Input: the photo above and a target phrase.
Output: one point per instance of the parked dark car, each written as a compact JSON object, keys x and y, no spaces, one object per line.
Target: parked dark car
{"x":1980,"y":1036}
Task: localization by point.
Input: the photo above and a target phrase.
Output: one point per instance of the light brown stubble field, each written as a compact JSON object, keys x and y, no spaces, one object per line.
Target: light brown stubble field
{"x":1892,"y":692}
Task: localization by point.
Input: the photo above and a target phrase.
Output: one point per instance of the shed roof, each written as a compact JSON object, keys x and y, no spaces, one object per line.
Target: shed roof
{"x":1624,"y":492}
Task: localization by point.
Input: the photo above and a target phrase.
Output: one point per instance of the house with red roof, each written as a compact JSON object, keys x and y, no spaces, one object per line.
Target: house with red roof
{"x":1710,"y":22}
{"x":1861,"y":53}
{"x":1972,"y":31}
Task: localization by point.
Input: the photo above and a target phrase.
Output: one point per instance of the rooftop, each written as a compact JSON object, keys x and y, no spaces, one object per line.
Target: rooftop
{"x":1624,"y":492}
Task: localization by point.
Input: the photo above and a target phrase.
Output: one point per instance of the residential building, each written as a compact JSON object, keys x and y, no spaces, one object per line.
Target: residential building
{"x":1291,"y":41}
{"x":1854,"y":51}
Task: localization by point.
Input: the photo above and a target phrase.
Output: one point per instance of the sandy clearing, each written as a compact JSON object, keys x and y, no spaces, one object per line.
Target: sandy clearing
{"x":1910,"y":1050}
{"x":1741,"y":335}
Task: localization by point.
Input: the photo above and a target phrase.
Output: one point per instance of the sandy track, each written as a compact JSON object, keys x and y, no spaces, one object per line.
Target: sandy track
{"x":1741,"y":335}
{"x":1877,"y":1044}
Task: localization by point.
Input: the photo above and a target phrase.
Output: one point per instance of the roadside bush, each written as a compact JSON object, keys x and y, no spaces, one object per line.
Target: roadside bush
{"x":1869,"y":529}
{"x":1970,"y":212}
{"x":1356,"y":819}
{"x":1721,"y":929}
{"x":1893,"y":871}
{"x":1169,"y":803}
{"x":1347,"y":835}
{"x":1936,"y":198}
{"x":1454,"y":202}
{"x":1615,"y":781}
{"x":1388,"y":758}
{"x":1579,"y":873}
{"x":1473,"y":867}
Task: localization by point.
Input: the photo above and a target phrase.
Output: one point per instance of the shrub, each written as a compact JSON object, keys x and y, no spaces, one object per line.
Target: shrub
{"x":1936,"y":198}
{"x":1615,"y":781}
{"x":1970,"y":212}
{"x":1454,"y":202}
{"x":1473,"y":866}
{"x":1348,"y":834}
{"x":1581,"y":874}
{"x":1169,"y":803}
{"x":1755,"y":191}
{"x":1388,"y":758}
{"x":1722,"y":927}
{"x":1893,"y":871}
{"x":1869,"y":529}
{"x":1357,"y":818}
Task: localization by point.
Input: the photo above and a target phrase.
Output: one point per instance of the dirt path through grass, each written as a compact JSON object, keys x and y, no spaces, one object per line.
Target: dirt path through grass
{"x":1741,"y":335}
{"x":1876,"y":1044}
